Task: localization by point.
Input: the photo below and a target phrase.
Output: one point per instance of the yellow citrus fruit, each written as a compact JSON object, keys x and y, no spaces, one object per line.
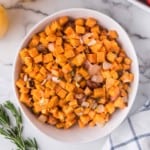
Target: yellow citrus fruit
{"x":3,"y":21}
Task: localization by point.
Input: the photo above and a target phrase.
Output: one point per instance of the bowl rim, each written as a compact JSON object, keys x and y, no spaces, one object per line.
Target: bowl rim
{"x":15,"y":65}
{"x":140,"y":5}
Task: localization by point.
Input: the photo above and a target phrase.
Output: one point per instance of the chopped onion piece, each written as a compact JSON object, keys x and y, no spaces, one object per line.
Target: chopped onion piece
{"x":106,"y":65}
{"x":97,"y":78}
{"x":85,"y":104}
{"x":55,"y":79}
{"x":51,"y":47}
{"x":92,"y":42}
{"x":100,"y":108}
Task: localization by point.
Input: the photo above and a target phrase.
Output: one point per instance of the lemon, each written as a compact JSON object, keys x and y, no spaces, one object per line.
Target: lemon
{"x":3,"y":21}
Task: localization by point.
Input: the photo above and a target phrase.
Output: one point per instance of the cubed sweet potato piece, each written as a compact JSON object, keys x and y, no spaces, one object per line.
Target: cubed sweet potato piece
{"x":38,"y":58}
{"x":79,"y":29}
{"x":79,"y":21}
{"x":20,"y":83}
{"x":62,"y":93}
{"x":54,"y":26}
{"x":84,"y":73}
{"x":69,"y":53}
{"x":63,"y":20}
{"x":80,"y":48}
{"x":96,"y":47}
{"x":95,"y":29}
{"x":33,"y":52}
{"x":99,"y":119}
{"x":119,"y":103}
{"x":59,"y":41}
{"x":92,"y":58}
{"x":111,"y":57}
{"x":66,"y":68}
{"x":99,"y":92}
{"x":113,"y":34}
{"x":110,"y":107}
{"x":85,"y":119}
{"x":90,"y":22}
{"x":48,"y":58}
{"x":79,"y":59}
{"x":70,"y":96}
{"x":70,"y":87}
{"x":69,"y":30}
{"x":101,"y":57}
{"x":53,"y":102}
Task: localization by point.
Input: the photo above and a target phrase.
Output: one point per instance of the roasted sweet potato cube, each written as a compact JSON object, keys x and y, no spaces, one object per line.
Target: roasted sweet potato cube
{"x":52,"y":120}
{"x":73,"y":103}
{"x":80,"y":29}
{"x":24,"y":53}
{"x":53,"y":102}
{"x":95,"y":29}
{"x":25,"y":99}
{"x":87,"y":91}
{"x":59,"y":41}
{"x":67,"y":109}
{"x":92,"y":58}
{"x":113,"y":34}
{"x":70,"y":87}
{"x":43,"y":71}
{"x":96,"y":47}
{"x":110,"y":107}
{"x":85,"y":119}
{"x":20,"y":83}
{"x":69,"y":31}
{"x":80,"y":48}
{"x":54,"y":26}
{"x":84,"y":73}
{"x":74,"y":42}
{"x":33,"y":52}
{"x":47,"y":58}
{"x":63,"y":20}
{"x":111,"y":57}
{"x":79,"y":21}
{"x":99,"y":119}
{"x":62,"y":93}
{"x":81,"y":125}
{"x":69,"y":53}
{"x":38,"y":58}
{"x":119,"y":103}
{"x":90,"y":22}
{"x":99,"y":92}
{"x":79,"y":59}
{"x":101,"y":57}
{"x":69,"y":97}
{"x":66,"y":68}
{"x":70,"y":123}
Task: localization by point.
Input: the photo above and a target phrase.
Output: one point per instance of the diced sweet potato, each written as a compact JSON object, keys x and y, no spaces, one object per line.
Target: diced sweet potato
{"x":63,"y":20}
{"x":79,"y":59}
{"x":80,"y":29}
{"x":92,"y":58}
{"x":80,"y":21}
{"x":90,"y":22}
{"x":47,"y":58}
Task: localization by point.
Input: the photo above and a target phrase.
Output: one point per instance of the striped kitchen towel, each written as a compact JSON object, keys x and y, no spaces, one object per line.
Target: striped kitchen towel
{"x":133,"y":133}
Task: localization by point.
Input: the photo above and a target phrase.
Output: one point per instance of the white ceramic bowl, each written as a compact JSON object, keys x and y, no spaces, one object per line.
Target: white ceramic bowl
{"x":87,"y":134}
{"x":140,"y":5}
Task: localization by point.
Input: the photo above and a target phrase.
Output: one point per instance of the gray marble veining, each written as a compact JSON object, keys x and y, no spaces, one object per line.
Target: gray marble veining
{"x":24,"y":15}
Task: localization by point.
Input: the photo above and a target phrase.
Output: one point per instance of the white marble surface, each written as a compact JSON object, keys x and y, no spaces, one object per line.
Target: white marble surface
{"x":24,"y":15}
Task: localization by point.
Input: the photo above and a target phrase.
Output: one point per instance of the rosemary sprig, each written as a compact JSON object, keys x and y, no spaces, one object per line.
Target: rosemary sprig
{"x":13,"y":131}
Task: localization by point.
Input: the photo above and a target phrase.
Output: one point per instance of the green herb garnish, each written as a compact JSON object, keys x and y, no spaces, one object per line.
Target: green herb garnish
{"x":12,"y":129}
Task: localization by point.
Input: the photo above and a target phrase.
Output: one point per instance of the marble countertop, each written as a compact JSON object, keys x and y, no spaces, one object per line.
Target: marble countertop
{"x":24,"y":15}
